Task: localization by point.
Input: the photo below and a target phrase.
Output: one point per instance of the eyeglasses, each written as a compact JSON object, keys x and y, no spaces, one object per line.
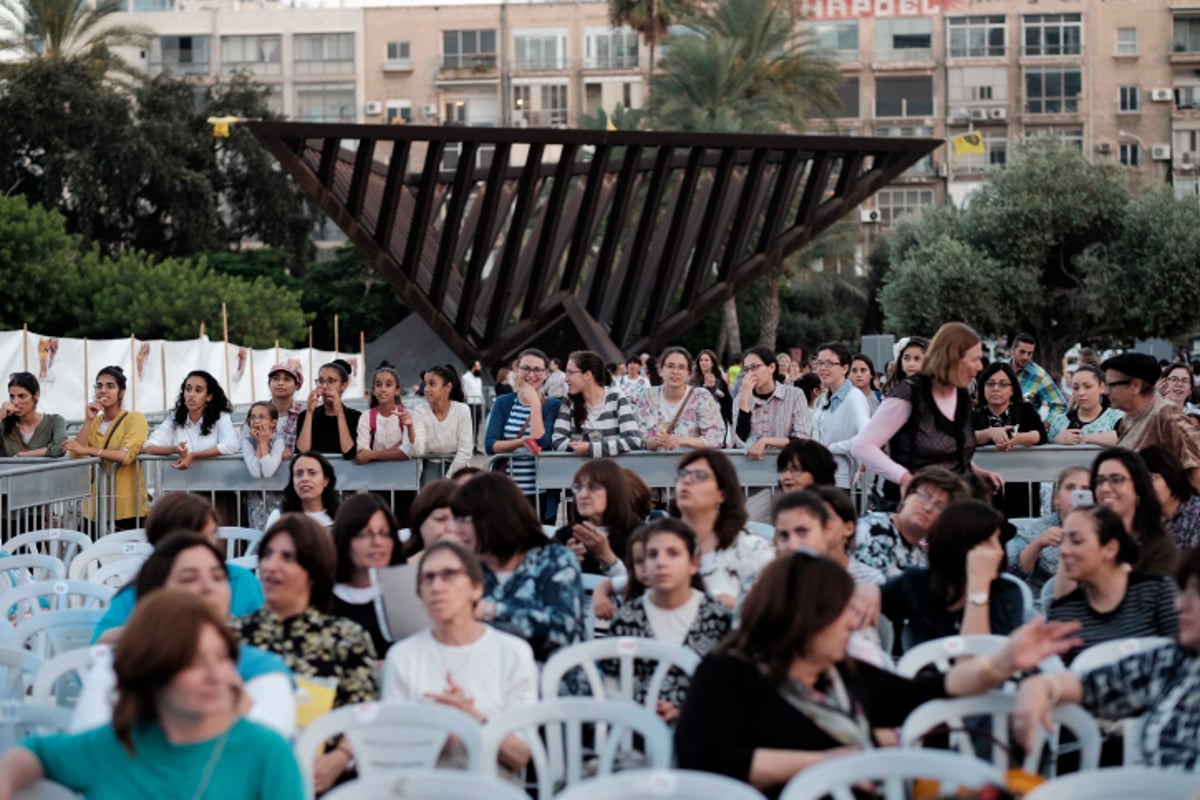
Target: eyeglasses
{"x":328,"y":381}
{"x":590,"y":486}
{"x":1119,"y":383}
{"x":752,"y":367}
{"x":795,"y":469}
{"x":531,"y":370}
{"x":828,"y":364}
{"x":697,"y":475}
{"x":464,"y":521}
{"x":445,"y":575}
{"x":100,"y":386}
{"x":928,"y":500}
{"x":675,"y":367}
{"x":1179,"y":380}
{"x":1116,"y":481}
{"x":997,"y":385}
{"x":365,"y":535}
{"x":570,"y":371}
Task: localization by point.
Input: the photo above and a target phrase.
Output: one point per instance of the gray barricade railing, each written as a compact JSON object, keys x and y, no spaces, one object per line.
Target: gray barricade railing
{"x":39,"y":493}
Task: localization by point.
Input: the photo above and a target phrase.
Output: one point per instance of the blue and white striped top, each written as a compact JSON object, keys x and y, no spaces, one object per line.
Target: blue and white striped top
{"x":522,"y":469}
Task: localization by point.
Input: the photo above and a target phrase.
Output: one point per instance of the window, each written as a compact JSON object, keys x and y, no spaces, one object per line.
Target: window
{"x":611,"y":48}
{"x":399,"y":55}
{"x":325,"y":102}
{"x":1127,"y":42}
{"x":995,"y":143}
{"x":1071,"y":136}
{"x":540,"y":50}
{"x":1053,"y":34}
{"x":399,"y":112}
{"x":153,"y":5}
{"x":966,"y":86}
{"x":847,"y":92}
{"x":925,"y":165}
{"x":1187,"y":35}
{"x":323,"y":53}
{"x":838,"y":38}
{"x":977,"y":37}
{"x":1186,"y":186}
{"x":904,"y":97}
{"x":181,"y":55}
{"x":1052,"y":90}
{"x":895,"y":205}
{"x":554,"y":104}
{"x":469,"y":49}
{"x":904,"y":39}
{"x":259,"y":55}
{"x":1129,"y":99}
{"x":1131,"y":154}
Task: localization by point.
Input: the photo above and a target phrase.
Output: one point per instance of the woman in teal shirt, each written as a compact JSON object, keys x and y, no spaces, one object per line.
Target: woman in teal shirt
{"x":176,"y":729}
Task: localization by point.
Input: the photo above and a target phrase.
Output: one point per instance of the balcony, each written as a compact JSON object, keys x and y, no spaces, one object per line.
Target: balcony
{"x":551,"y":118}
{"x":468,"y":68}
{"x":902,"y":58}
{"x":540,"y":64}
{"x":398,"y":65}
{"x":617,"y":61}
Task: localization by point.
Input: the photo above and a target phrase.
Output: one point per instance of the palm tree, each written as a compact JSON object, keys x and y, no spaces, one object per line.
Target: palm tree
{"x":744,"y":68}
{"x":651,"y":18}
{"x":67,"y":29}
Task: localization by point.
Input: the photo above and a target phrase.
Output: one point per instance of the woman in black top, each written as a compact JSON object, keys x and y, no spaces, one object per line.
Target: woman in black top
{"x":780,"y":694}
{"x":603,"y":518}
{"x":325,"y":425}
{"x":1002,"y":418}
{"x":365,"y":535}
{"x":708,"y":375}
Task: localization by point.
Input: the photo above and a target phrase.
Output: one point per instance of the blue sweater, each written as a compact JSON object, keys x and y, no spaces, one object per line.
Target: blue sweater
{"x":503,"y":407}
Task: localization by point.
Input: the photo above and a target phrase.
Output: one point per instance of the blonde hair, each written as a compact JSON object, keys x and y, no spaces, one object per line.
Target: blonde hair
{"x":949,"y":345}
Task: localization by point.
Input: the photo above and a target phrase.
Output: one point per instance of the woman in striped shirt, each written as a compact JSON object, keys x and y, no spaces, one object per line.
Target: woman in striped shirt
{"x":521,"y":416}
{"x":596,"y":420}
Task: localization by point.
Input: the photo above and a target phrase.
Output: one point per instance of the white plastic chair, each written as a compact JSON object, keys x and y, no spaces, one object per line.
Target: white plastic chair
{"x":894,"y":769}
{"x":117,"y":574}
{"x":18,"y":670}
{"x":761,"y":529}
{"x":942,"y":653}
{"x":1120,"y":783}
{"x":390,"y":738}
{"x":999,"y":708}
{"x":46,"y":790}
{"x":19,"y":719}
{"x":559,"y":762}
{"x":662,"y":784}
{"x":239,"y":541}
{"x":625,"y":650}
{"x":1047,"y":596}
{"x":61,"y":543}
{"x":1026,"y":594}
{"x":245,"y":562}
{"x":102,"y":553}
{"x":60,"y":679}
{"x":427,"y":784}
{"x":131,"y":535}
{"x":37,"y":597}
{"x":54,"y":632}
{"x":30,"y":567}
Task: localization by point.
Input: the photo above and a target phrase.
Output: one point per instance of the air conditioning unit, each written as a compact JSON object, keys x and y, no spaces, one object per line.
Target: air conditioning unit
{"x":373,"y":108}
{"x":869,"y":216}
{"x":979,"y":113}
{"x":1160,"y":95}
{"x":430,"y":110}
{"x":1189,"y":159}
{"x":1160,"y":152}
{"x":1104,"y":147}
{"x":998,"y":113}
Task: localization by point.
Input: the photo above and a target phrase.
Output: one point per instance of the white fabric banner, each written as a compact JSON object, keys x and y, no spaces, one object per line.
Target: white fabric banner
{"x":155,"y":369}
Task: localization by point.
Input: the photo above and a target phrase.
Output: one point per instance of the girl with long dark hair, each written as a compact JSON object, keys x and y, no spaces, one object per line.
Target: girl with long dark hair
{"x":200,"y":426}
{"x":27,"y":431}
{"x":443,"y":426}
{"x":326,"y":425}
{"x":595,"y":420}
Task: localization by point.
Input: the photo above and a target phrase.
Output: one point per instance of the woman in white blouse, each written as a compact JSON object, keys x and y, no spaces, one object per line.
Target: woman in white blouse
{"x":841,"y":411}
{"x":677,"y":415}
{"x":443,"y":426}
{"x":461,"y":662}
{"x":385,"y":432}
{"x":200,"y":426}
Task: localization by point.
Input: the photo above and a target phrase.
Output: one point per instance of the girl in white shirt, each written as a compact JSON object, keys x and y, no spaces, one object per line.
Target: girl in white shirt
{"x":461,"y":662}
{"x":201,"y":426}
{"x":443,"y":427}
{"x":262,"y":444}
{"x":385,"y":432}
{"x":311,"y":489}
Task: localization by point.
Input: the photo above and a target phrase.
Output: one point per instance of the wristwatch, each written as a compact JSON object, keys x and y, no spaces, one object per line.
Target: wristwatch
{"x":978,"y":598}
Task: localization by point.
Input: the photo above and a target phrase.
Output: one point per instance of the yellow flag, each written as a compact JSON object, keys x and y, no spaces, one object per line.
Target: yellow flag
{"x":610,"y":126}
{"x":968,"y":143}
{"x":221,"y":125}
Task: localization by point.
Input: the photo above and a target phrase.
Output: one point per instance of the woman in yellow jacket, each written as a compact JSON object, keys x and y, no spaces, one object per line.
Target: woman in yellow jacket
{"x":116,"y":436}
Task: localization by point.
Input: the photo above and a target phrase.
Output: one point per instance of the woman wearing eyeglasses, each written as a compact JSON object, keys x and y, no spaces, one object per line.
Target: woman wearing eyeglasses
{"x":841,"y":410}
{"x":461,"y":662}
{"x":709,"y":499}
{"x":675,"y":414}
{"x":364,"y":533}
{"x":606,"y":518}
{"x":769,"y":410}
{"x":519,"y":417}
{"x":1177,"y":386}
{"x":1121,"y":482}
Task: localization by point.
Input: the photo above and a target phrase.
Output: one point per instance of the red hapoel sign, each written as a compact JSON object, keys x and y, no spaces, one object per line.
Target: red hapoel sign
{"x":852,"y":9}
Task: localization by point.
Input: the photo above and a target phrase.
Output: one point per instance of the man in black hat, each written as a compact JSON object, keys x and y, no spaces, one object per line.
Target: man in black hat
{"x":1149,"y":419}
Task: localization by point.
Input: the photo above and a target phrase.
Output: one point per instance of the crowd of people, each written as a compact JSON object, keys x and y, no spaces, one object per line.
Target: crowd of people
{"x":795,"y":629}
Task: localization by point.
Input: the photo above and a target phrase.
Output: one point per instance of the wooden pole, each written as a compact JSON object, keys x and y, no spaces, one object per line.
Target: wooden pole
{"x":87,"y":398}
{"x":336,"y":342}
{"x":276,"y":351}
{"x":162,"y":357}
{"x":133,"y":368}
{"x":201,"y":329}
{"x":253,"y":393}
{"x":311,"y":375}
{"x":362,"y":349}
{"x":225,"y":336}
{"x":25,"y":344}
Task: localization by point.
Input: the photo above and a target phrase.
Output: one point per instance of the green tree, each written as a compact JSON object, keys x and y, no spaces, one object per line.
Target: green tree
{"x":37,"y":259}
{"x":347,"y":287}
{"x":58,"y":30}
{"x":652,"y":19}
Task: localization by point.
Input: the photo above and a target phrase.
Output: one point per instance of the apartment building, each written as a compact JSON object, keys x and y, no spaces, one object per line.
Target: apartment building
{"x":1118,"y":78}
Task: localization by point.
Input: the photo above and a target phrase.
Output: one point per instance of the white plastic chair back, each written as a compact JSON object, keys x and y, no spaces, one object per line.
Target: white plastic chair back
{"x":895,"y":769}
{"x":131,"y":535}
{"x":761,"y":529}
{"x":37,"y":597}
{"x":46,"y":790}
{"x":60,"y":680}
{"x":61,"y":543}
{"x":549,"y":530}
{"x":8,"y":637}
{"x":102,"y":553}
{"x":942,"y":653}
{"x":1026,"y":594}
{"x":625,"y":650}
{"x":18,"y":670}
{"x":117,"y":574}
{"x":1105,"y":653}
{"x":1047,"y":596}
{"x":998,"y":707}
{"x":427,"y":785}
{"x":1120,"y":783}
{"x":239,"y":541}
{"x":28,"y":568}
{"x":54,"y":632}
{"x":245,"y":562}
{"x":390,"y":738}
{"x":662,"y":784}
{"x":397,"y":606}
{"x":561,"y":765}
{"x":19,"y":720}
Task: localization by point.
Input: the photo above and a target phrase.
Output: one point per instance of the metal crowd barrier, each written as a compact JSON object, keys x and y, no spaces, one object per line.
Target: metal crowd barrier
{"x":39,"y":493}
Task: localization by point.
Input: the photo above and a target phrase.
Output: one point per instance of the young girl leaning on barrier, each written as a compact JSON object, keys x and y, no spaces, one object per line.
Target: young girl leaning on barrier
{"x":385,"y":432}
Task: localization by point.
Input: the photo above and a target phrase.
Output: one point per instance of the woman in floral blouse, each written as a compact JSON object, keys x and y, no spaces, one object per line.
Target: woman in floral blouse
{"x":676,"y":415}
{"x":531,"y":588}
{"x":296,"y":567}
